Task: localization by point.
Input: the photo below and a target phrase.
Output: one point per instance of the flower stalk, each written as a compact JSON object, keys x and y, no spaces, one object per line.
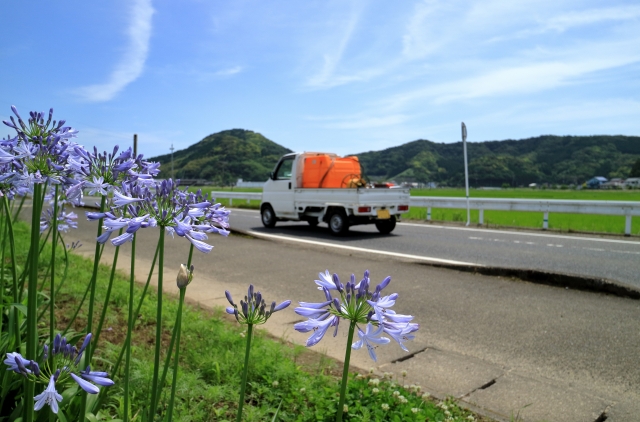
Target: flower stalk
{"x":245,"y":371}
{"x":345,"y":372}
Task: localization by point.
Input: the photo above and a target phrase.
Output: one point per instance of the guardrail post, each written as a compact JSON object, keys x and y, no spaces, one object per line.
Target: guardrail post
{"x":545,"y":221}
{"x":428,"y":213}
{"x":627,"y":225}
{"x":481,"y":216}
{"x":230,"y":202}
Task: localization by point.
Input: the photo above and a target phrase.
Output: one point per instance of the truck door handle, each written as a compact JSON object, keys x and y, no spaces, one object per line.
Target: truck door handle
{"x":289,"y":185}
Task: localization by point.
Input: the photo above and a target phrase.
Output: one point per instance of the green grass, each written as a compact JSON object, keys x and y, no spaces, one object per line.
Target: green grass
{"x":583,"y":194}
{"x":211,"y":360}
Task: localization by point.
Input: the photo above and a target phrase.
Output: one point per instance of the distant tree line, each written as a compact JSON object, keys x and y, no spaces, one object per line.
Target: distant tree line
{"x":544,"y":159}
{"x":226,"y":156}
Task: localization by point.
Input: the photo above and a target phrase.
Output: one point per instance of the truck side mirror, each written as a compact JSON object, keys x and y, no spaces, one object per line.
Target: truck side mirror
{"x":271,"y":176}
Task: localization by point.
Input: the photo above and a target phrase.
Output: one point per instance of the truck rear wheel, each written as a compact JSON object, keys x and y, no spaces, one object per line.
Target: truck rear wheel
{"x":386,"y":226}
{"x":268,"y":216}
{"x":338,"y":223}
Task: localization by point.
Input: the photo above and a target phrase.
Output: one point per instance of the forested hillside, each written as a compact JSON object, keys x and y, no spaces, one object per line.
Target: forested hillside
{"x":544,"y":159}
{"x":225,"y":157}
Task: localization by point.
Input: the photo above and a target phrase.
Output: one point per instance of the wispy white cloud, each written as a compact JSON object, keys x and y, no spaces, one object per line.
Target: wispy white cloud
{"x":592,"y":16}
{"x":526,"y":75}
{"x":333,"y":51}
{"x":229,"y":71}
{"x":131,"y":65}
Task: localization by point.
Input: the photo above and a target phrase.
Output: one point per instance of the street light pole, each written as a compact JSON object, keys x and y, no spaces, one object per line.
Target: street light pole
{"x":171,"y":161}
{"x":466,"y":170}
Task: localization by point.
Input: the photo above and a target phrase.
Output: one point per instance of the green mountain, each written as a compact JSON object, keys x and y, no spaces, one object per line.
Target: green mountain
{"x":224,"y":157}
{"x":544,"y":159}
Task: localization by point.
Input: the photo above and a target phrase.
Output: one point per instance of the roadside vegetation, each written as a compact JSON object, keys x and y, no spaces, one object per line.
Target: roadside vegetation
{"x":299,"y":382}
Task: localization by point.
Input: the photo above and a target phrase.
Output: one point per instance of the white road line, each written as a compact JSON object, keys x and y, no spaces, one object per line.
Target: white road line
{"x":595,"y":249}
{"x":594,"y":239}
{"x":371,"y":251}
{"x":634,"y":253}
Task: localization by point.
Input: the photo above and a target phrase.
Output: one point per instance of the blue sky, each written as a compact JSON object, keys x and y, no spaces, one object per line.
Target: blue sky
{"x":339,"y":76}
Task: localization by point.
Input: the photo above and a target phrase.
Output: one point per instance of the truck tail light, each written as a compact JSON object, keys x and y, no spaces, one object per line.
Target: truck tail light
{"x":364,"y":209}
{"x":403,"y":207}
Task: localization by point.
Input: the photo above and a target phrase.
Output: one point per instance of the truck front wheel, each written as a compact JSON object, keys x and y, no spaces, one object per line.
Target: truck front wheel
{"x":268,"y":216}
{"x":386,"y":226}
{"x":338,"y":223}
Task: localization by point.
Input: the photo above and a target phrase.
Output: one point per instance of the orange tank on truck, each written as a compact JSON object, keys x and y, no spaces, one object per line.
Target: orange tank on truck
{"x":330,"y":171}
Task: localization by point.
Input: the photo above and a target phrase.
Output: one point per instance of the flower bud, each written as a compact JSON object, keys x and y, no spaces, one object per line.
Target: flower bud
{"x":184,"y":277}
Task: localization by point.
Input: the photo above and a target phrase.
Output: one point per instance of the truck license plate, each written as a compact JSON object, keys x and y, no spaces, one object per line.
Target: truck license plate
{"x":384,"y":214}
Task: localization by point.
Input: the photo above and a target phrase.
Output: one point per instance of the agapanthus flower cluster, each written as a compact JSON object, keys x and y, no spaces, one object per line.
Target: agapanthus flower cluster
{"x":356,"y":303}
{"x":38,"y":153}
{"x":253,"y":309}
{"x":101,"y":173}
{"x":189,"y":215}
{"x":66,"y":220}
{"x":65,"y":368}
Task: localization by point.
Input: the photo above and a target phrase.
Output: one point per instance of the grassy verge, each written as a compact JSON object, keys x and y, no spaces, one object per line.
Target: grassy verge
{"x":557,"y":221}
{"x":304,"y":384}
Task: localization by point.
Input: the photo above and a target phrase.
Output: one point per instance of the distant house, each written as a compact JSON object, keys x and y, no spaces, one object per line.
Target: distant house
{"x":632,"y":183}
{"x":616,"y":183}
{"x":596,"y":182}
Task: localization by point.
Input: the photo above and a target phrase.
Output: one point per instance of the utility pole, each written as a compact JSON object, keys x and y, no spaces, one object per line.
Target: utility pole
{"x":172,"y":160}
{"x":466,"y":170}
{"x":135,"y":146}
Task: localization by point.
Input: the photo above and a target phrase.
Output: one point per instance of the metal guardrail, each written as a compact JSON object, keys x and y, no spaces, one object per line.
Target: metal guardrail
{"x":627,"y":209}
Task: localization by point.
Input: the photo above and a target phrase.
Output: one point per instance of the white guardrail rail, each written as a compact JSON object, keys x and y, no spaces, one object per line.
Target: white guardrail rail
{"x":627,"y":209}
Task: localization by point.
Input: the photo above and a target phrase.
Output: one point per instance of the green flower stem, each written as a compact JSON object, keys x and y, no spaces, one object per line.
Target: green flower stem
{"x":52,"y":285}
{"x":17,"y":213}
{"x":88,"y":353}
{"x":79,"y":307}
{"x":177,"y":357}
{"x":345,"y":371}
{"x":137,"y":312}
{"x":105,"y":306}
{"x":2,"y":278}
{"x":130,"y":321}
{"x":156,"y":362}
{"x":245,"y":371}
{"x":173,"y":336}
{"x":32,"y":297}
{"x":14,"y":273}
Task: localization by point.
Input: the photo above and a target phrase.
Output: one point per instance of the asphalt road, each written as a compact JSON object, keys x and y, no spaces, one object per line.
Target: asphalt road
{"x":611,"y":258}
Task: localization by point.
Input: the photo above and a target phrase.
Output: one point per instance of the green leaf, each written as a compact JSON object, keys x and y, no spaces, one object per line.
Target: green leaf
{"x":20,"y":307}
{"x":61,"y":416}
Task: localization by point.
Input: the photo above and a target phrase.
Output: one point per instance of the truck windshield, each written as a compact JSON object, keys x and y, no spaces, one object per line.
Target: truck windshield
{"x":284,"y":169}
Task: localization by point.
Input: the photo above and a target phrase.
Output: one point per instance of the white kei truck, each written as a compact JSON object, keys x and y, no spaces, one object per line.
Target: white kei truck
{"x":323,"y":187}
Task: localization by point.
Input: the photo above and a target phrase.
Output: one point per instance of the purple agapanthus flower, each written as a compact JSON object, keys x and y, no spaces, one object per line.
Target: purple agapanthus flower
{"x":102,"y":173}
{"x":40,"y":151}
{"x":253,"y":309}
{"x":356,"y":303}
{"x":186,"y":214}
{"x":66,"y":220}
{"x":66,"y":358}
{"x":49,"y":396}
